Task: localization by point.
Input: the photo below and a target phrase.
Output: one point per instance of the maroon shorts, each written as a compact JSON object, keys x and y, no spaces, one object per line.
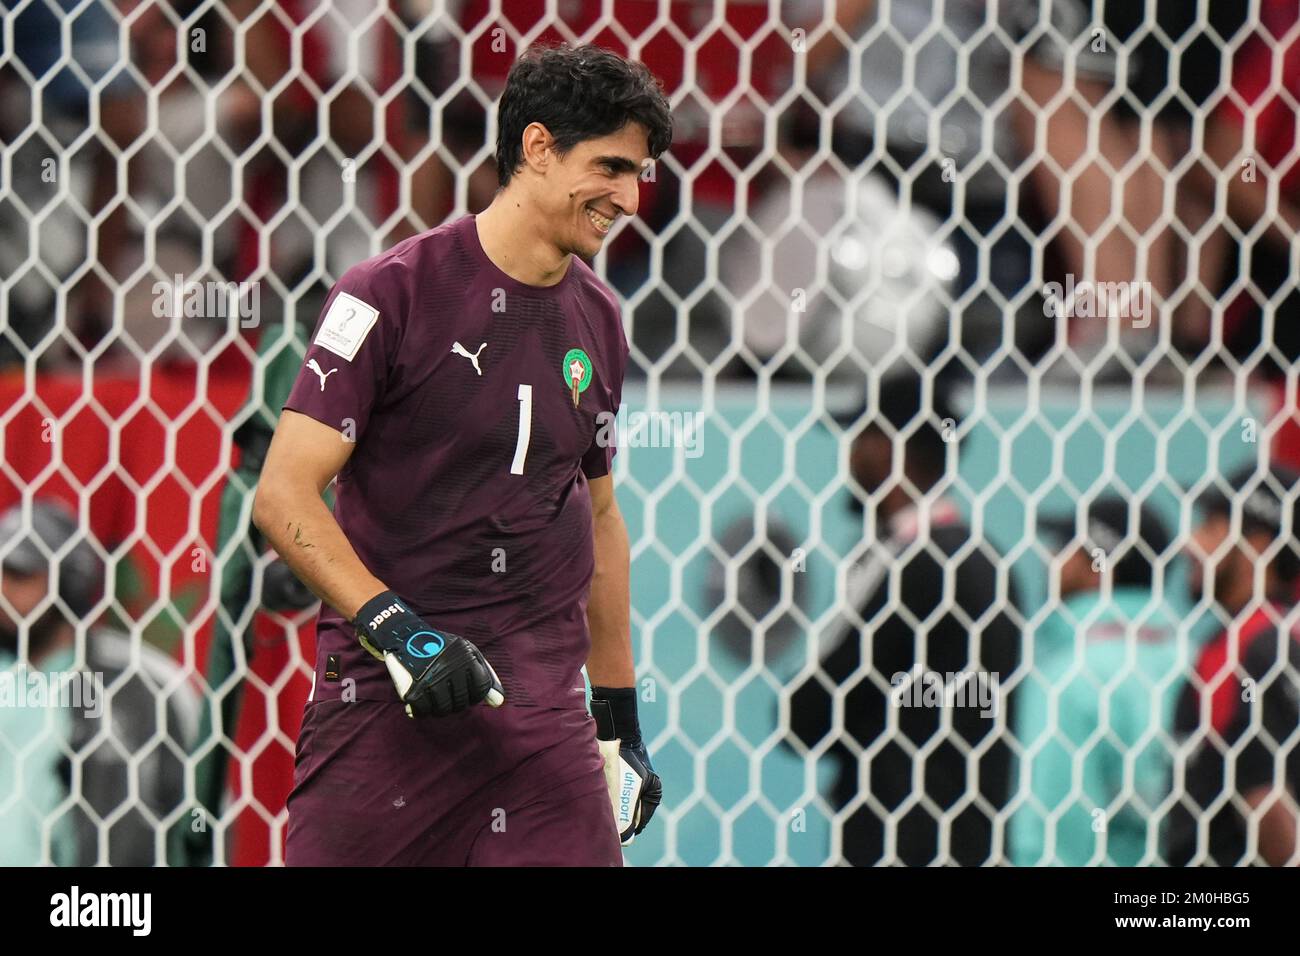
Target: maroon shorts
{"x":515,"y":786}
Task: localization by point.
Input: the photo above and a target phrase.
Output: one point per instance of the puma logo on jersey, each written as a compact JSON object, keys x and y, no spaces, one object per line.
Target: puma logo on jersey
{"x":311,"y":364}
{"x":458,"y":349}
{"x":385,"y":614}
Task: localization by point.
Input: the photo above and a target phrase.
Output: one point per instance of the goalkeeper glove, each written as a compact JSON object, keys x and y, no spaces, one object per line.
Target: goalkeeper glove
{"x":435,"y":673}
{"x":634,"y":788}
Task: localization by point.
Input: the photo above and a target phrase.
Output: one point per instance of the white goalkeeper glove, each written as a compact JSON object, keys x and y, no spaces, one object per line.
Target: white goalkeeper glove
{"x":635,"y":790}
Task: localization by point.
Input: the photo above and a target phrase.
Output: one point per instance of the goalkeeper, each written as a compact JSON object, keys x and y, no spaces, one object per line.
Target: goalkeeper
{"x":460,"y":388}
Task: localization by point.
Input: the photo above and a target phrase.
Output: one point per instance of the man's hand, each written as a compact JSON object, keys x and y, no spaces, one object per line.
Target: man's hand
{"x":435,"y":673}
{"x":635,"y":790}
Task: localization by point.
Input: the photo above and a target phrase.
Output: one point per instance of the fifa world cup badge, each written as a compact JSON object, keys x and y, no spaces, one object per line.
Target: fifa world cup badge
{"x":577,"y":372}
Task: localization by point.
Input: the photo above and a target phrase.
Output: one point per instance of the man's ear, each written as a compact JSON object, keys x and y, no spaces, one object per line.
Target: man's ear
{"x":538,"y":146}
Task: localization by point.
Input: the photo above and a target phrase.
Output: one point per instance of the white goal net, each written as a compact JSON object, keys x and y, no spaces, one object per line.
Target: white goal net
{"x":916,"y":279}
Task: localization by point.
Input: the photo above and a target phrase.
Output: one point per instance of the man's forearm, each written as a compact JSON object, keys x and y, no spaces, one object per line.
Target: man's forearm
{"x":608,"y":607}
{"x":304,"y":533}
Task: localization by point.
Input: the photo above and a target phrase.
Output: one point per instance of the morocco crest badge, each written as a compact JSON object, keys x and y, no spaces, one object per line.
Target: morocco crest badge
{"x":577,"y":372}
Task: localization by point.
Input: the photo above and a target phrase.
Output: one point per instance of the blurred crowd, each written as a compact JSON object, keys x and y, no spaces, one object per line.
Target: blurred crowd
{"x":965,"y":724}
{"x":95,"y":726}
{"x":914,"y":174}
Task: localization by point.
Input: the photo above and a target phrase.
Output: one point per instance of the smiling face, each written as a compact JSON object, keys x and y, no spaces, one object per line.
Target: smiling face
{"x":585,"y":191}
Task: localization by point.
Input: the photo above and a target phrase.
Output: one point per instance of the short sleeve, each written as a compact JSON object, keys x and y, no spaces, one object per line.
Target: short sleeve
{"x":346,"y":368}
{"x":598,"y":461}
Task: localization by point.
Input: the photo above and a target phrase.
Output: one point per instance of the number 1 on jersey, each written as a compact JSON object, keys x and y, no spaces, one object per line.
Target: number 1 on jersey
{"x":525,"y":429}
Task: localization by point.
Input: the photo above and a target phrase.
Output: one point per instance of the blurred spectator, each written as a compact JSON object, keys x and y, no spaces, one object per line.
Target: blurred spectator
{"x":889,"y":273}
{"x":34,"y":733}
{"x":926,"y":109}
{"x":180,"y":181}
{"x":118,"y":754}
{"x":1112,"y":88}
{"x":1252,"y":173}
{"x":1095,"y":708}
{"x":1238,"y":715}
{"x":64,"y":186}
{"x":197,"y":185}
{"x":348,"y":180}
{"x":133,"y":754}
{"x":931,"y":608}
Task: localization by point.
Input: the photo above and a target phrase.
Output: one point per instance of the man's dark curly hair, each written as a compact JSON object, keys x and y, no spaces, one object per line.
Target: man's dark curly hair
{"x":577,"y":93}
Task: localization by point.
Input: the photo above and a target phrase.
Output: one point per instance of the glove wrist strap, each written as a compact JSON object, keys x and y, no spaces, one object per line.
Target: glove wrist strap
{"x":614,"y":710}
{"x":370,"y":619}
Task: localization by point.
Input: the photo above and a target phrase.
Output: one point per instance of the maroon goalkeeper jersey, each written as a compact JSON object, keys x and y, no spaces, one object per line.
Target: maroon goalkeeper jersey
{"x":480,"y":406}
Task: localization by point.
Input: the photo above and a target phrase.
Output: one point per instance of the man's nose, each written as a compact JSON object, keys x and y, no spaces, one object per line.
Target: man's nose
{"x":628,"y":197}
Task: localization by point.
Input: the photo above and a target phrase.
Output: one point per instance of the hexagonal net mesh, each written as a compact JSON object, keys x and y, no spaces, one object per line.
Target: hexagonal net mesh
{"x":913,"y":277}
